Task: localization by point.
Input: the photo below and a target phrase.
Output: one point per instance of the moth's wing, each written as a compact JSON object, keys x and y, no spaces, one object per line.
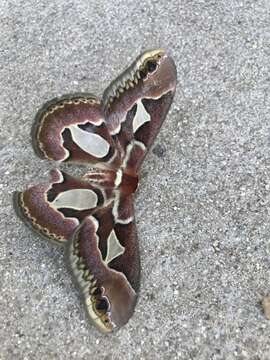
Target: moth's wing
{"x":137,"y":102}
{"x":55,"y":209}
{"x":104,"y":258}
{"x":71,"y":129}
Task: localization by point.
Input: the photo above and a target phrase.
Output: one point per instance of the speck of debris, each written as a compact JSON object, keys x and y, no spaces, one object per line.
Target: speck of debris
{"x":159,"y":151}
{"x":266,"y":306}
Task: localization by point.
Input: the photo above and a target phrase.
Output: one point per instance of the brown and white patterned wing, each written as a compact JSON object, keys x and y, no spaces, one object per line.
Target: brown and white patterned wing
{"x":137,"y":102}
{"x":55,"y":209}
{"x":104,"y":258}
{"x":72,"y":129}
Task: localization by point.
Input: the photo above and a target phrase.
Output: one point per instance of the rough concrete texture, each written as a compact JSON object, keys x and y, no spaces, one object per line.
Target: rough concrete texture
{"x":203,"y":205}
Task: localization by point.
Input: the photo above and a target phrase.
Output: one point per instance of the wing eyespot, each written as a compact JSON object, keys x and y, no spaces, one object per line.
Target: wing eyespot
{"x":102,"y":305}
{"x":151,"y":66}
{"x":148,"y":68}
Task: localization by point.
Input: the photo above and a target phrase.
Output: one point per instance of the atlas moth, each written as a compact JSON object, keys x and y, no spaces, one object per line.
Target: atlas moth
{"x":93,"y":215}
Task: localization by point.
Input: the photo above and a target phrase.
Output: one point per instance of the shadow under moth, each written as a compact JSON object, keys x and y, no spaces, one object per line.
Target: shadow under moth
{"x":93,"y":215}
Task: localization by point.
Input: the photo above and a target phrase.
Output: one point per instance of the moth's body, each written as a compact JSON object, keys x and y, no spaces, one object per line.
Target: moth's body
{"x":93,"y":216}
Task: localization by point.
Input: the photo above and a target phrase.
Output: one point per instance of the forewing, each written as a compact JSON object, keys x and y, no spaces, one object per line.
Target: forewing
{"x":55,"y":209}
{"x":104,"y":257}
{"x":137,"y":102}
{"x":72,"y":129}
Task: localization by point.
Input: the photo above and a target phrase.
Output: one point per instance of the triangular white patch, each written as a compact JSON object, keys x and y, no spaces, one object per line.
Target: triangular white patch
{"x":141,"y":116}
{"x":114,"y":248}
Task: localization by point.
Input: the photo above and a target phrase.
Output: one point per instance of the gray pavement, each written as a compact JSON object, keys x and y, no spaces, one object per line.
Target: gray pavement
{"x":204,"y":201}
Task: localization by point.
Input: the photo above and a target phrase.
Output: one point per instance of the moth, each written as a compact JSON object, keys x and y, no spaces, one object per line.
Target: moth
{"x":93,"y":215}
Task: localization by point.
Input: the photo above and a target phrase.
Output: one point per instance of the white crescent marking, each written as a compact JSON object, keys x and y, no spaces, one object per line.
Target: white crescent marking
{"x":89,"y":142}
{"x":78,"y":199}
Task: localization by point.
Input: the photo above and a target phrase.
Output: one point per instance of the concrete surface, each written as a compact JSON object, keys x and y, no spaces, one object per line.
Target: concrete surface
{"x":203,"y":205}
